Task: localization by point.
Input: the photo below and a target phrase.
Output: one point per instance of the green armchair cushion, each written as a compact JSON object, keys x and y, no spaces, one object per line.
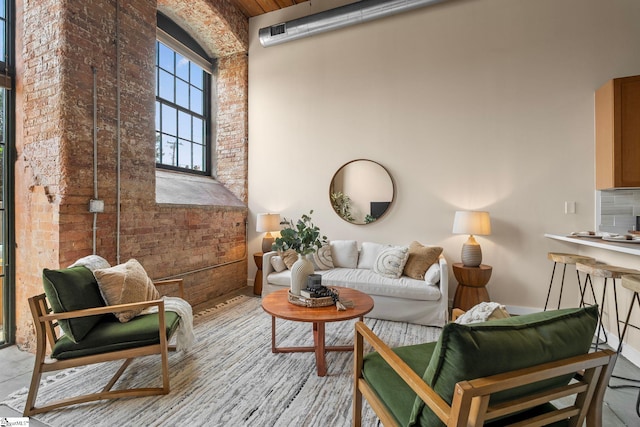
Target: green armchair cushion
{"x":112,"y":335}
{"x":388,"y":384}
{"x":72,"y":289}
{"x":465,"y":352}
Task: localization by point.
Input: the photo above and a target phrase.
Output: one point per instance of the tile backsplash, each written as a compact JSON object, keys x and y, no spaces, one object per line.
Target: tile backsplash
{"x":618,"y":210}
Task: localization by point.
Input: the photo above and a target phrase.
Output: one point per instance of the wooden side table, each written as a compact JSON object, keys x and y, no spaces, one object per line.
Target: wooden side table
{"x":257,"y":282}
{"x":471,"y":288}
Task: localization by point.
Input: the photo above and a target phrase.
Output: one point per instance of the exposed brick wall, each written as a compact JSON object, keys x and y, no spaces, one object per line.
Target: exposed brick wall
{"x":59,"y":45}
{"x":232,"y":120}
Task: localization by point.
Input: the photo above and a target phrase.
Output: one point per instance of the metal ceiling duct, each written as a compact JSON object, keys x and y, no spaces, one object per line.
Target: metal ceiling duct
{"x":340,"y":17}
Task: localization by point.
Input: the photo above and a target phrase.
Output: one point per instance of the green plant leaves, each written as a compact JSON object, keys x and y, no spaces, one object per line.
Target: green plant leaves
{"x":303,"y":236}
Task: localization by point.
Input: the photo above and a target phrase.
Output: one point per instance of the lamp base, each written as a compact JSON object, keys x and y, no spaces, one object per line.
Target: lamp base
{"x":267,"y":242}
{"x":471,"y":255}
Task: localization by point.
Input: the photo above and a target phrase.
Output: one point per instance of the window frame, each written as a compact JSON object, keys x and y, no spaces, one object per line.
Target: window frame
{"x":7,"y":237}
{"x":175,"y":38}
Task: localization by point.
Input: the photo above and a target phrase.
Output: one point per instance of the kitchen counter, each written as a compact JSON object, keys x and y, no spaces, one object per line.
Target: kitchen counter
{"x":627,"y":248}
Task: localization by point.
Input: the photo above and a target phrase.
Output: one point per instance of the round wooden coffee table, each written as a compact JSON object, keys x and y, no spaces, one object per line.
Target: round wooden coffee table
{"x":277,"y":305}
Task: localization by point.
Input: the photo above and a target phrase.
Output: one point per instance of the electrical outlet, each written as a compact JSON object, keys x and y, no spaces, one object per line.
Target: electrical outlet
{"x":569,"y":207}
{"x":96,"y":206}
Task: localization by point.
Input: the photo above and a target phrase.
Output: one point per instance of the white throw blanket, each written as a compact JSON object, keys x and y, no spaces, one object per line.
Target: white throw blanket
{"x":483,"y":312}
{"x":184,"y":333}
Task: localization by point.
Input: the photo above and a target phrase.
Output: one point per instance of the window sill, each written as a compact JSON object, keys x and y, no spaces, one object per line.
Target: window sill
{"x":177,"y":188}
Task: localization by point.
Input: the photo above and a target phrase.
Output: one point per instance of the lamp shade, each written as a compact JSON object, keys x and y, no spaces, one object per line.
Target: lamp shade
{"x":472,"y":222}
{"x":267,"y":222}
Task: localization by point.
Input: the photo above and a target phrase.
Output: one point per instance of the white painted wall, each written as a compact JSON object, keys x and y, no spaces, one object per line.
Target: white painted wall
{"x":471,"y":104}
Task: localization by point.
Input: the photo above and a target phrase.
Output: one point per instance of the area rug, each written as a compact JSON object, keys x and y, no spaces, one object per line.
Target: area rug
{"x":230,"y":377}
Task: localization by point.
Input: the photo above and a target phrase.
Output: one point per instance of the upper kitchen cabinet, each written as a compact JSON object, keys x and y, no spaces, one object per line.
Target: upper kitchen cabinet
{"x":618,"y":134}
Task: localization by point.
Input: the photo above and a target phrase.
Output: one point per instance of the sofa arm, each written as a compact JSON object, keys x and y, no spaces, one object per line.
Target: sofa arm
{"x":444,"y":279}
{"x":267,"y":268}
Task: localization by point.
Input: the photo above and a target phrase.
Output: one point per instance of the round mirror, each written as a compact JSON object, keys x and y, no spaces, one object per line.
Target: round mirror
{"x":361,"y":191}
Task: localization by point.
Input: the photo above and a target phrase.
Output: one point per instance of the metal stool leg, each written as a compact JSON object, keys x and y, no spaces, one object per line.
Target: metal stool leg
{"x":615,"y":299}
{"x":564,"y":270}
{"x":583,"y":289}
{"x":600,"y":327}
{"x":553,"y":272}
{"x":626,"y":322}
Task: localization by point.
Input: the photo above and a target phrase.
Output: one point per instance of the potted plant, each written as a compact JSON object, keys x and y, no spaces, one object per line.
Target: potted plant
{"x":303,"y":237}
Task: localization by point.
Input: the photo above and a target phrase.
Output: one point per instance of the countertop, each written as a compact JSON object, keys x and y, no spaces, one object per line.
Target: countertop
{"x":627,"y":248}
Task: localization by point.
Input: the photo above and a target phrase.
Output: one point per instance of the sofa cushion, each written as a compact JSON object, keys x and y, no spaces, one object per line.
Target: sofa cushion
{"x":391,"y":261}
{"x":369,"y":282}
{"x":72,"y":289}
{"x":369,"y":254}
{"x":111,"y":335}
{"x":124,"y":284}
{"x":420,"y":259}
{"x":344,"y":253}
{"x":465,"y":352}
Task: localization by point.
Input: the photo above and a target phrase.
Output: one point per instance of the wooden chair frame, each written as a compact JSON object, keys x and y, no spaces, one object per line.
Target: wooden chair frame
{"x":470,"y":406}
{"x":46,"y":325}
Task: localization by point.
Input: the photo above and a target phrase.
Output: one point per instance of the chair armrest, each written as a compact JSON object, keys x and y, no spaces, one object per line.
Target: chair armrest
{"x":102,"y":310}
{"x":167,"y":282}
{"x":408,"y":375}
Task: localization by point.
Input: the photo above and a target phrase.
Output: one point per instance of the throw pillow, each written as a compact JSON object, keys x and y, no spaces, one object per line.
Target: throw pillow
{"x":289,"y":257}
{"x":344,"y":253}
{"x":369,"y":253}
{"x":92,"y":262}
{"x":391,"y":261}
{"x":321,"y":259}
{"x":126,"y":283}
{"x":432,"y":276}
{"x":420,"y":259}
{"x":71,"y":289}
{"x":278,"y":264}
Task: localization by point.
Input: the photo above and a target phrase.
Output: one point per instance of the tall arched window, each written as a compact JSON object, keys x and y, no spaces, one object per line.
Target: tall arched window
{"x":183,"y":101}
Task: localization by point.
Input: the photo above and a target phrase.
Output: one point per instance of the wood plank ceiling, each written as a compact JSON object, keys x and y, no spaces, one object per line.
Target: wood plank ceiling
{"x":252,"y":8}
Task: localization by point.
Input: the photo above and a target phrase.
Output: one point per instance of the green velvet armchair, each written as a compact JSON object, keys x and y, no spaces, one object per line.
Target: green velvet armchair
{"x":92,"y":334}
{"x":532,"y":370}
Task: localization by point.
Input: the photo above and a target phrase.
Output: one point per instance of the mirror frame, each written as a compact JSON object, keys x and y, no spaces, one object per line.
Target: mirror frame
{"x":393,"y":190}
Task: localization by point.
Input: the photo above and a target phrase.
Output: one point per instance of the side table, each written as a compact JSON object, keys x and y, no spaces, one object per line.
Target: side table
{"x":471,"y":288}
{"x":257,"y":282}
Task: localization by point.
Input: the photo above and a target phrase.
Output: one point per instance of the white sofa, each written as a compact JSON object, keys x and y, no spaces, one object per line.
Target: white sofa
{"x":404,"y":299}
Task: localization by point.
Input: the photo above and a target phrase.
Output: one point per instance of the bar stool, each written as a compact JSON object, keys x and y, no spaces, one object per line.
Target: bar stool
{"x":606,"y":272}
{"x":631,"y":282}
{"x":558,"y":257}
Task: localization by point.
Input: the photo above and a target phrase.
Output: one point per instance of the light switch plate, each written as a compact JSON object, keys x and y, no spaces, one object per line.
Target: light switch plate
{"x":569,"y":207}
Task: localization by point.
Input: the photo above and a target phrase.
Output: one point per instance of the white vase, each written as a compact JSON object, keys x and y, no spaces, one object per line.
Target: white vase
{"x":300,"y":271}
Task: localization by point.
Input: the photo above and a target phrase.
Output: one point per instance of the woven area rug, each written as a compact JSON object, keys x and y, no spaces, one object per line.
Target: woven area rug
{"x":230,"y":377}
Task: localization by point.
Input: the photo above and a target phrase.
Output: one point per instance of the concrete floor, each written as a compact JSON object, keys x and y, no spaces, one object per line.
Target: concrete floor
{"x":619,"y":410}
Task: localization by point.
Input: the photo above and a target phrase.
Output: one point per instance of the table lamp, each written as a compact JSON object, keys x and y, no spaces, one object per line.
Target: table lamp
{"x":267,"y":222}
{"x":472,"y":222}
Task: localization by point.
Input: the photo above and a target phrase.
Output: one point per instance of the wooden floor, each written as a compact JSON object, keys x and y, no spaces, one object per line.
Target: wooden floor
{"x":16,"y":367}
